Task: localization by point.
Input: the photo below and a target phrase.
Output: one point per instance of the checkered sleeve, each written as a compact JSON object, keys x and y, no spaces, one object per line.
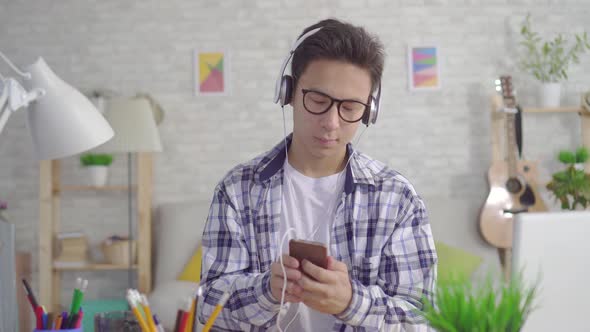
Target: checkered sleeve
{"x":407,"y":272}
{"x":226,"y":267}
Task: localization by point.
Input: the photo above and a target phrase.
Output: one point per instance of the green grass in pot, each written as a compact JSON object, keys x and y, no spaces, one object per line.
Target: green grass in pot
{"x":90,"y":159}
{"x":459,"y":306}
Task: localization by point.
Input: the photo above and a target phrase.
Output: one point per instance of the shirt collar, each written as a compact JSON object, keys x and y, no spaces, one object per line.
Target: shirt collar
{"x":274,"y":160}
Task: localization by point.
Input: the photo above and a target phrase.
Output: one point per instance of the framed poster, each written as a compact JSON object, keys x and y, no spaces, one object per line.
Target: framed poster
{"x":424,"y":68}
{"x":211,"y":73}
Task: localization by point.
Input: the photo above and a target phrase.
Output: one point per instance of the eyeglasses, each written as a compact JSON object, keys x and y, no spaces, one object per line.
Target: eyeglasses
{"x":316,"y":102}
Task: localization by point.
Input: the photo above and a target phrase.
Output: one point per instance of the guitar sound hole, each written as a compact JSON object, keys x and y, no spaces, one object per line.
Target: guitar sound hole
{"x":528,"y":197}
{"x":526,"y":169}
{"x":513,"y":186}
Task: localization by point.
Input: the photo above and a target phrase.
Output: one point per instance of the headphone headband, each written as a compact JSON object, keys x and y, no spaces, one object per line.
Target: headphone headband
{"x":288,"y":59}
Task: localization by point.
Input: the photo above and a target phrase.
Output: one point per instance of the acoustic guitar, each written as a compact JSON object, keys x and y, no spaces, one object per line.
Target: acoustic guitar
{"x":512,"y":182}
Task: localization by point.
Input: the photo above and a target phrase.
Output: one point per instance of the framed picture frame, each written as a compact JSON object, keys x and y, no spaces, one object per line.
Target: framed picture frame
{"x":424,"y":67}
{"x":211,"y":72}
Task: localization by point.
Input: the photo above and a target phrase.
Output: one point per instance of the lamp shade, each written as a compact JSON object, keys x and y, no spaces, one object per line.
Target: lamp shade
{"x":135,"y":129}
{"x":63,"y":122}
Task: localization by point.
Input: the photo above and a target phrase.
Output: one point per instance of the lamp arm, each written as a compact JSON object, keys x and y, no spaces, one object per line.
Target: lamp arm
{"x":13,"y":97}
{"x":25,"y":75}
{"x":4,"y":112}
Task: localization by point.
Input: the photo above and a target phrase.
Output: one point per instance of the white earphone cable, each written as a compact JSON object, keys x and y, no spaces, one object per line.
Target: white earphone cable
{"x":291,"y":229}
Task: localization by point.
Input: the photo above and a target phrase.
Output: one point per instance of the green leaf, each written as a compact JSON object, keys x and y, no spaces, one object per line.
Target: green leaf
{"x":560,"y":176}
{"x":546,"y":48}
{"x":581,"y":155}
{"x":567,"y":157}
{"x":565,"y":205}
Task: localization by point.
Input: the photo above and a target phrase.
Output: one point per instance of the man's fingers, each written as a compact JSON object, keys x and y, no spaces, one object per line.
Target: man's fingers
{"x":310,"y":285}
{"x":292,"y":274}
{"x":316,"y":272}
{"x":292,"y":298}
{"x":335,"y":265}
{"x":291,"y":262}
{"x":292,"y":288}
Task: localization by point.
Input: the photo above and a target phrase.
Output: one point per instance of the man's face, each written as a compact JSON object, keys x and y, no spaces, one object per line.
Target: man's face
{"x":326,"y":135}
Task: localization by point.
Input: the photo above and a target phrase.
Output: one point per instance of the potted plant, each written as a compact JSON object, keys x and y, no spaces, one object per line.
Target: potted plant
{"x":97,"y":165}
{"x":460,"y":306}
{"x":548,"y":60}
{"x":572,"y":185}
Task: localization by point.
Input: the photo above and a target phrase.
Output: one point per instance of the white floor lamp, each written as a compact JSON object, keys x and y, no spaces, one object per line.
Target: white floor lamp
{"x":134,"y":121}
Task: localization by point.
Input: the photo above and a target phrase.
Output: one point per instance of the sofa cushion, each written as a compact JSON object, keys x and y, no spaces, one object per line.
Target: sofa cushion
{"x":455,"y":263}
{"x":192,"y":270}
{"x":177,"y":230}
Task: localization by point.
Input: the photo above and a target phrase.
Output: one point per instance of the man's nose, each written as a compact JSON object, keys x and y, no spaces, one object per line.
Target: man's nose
{"x":331,"y":119}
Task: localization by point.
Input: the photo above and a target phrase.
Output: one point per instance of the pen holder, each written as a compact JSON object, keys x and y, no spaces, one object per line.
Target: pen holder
{"x":120,"y":321}
{"x":68,"y":330}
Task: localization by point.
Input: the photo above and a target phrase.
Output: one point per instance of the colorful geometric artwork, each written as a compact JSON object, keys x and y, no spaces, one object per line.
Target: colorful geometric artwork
{"x":211,"y":76}
{"x":424,"y":68}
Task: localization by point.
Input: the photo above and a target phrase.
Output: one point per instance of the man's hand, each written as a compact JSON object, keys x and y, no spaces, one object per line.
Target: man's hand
{"x":330,"y":292}
{"x":293,"y":276}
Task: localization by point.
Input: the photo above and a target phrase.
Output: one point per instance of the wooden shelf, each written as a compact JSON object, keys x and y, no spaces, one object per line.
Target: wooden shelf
{"x":566,"y":109}
{"x":94,"y":188}
{"x":96,"y":267}
{"x":51,"y":189}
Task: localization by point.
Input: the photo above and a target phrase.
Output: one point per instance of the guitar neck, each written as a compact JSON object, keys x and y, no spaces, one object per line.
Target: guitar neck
{"x":511,"y":144}
{"x":511,"y":110}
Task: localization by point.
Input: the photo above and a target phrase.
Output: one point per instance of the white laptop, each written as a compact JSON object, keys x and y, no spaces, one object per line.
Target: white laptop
{"x":555,"y":246}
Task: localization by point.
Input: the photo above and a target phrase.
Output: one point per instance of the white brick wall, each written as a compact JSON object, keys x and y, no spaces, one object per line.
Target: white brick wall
{"x":439,"y":140}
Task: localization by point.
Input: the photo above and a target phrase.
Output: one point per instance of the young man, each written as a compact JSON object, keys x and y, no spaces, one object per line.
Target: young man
{"x":314,"y":186}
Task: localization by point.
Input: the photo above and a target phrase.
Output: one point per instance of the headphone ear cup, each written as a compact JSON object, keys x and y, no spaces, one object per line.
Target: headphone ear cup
{"x":286,"y":90}
{"x":366,"y":116}
{"x":369,"y":116}
{"x":374,"y":113}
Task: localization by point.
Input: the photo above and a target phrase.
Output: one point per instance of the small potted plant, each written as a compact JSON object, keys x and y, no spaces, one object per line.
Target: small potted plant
{"x":97,"y":165}
{"x":460,"y":306}
{"x":571,"y":186}
{"x":548,"y":60}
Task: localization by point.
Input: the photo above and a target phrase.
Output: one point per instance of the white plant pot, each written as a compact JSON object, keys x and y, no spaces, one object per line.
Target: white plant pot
{"x":550,"y":94}
{"x":98,"y":175}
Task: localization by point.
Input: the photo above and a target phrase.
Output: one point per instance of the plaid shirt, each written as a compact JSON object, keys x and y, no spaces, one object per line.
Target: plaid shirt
{"x":381,"y":232}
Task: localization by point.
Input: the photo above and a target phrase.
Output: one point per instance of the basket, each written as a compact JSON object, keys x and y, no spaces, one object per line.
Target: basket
{"x":117,"y":252}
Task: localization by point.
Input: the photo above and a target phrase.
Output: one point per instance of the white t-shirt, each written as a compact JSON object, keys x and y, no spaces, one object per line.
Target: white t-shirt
{"x":308,"y":206}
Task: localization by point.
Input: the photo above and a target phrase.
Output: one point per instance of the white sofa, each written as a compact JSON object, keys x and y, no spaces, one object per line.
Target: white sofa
{"x":177,"y":230}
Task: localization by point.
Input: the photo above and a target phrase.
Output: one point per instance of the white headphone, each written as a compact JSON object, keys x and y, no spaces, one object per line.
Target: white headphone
{"x":284,"y":85}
